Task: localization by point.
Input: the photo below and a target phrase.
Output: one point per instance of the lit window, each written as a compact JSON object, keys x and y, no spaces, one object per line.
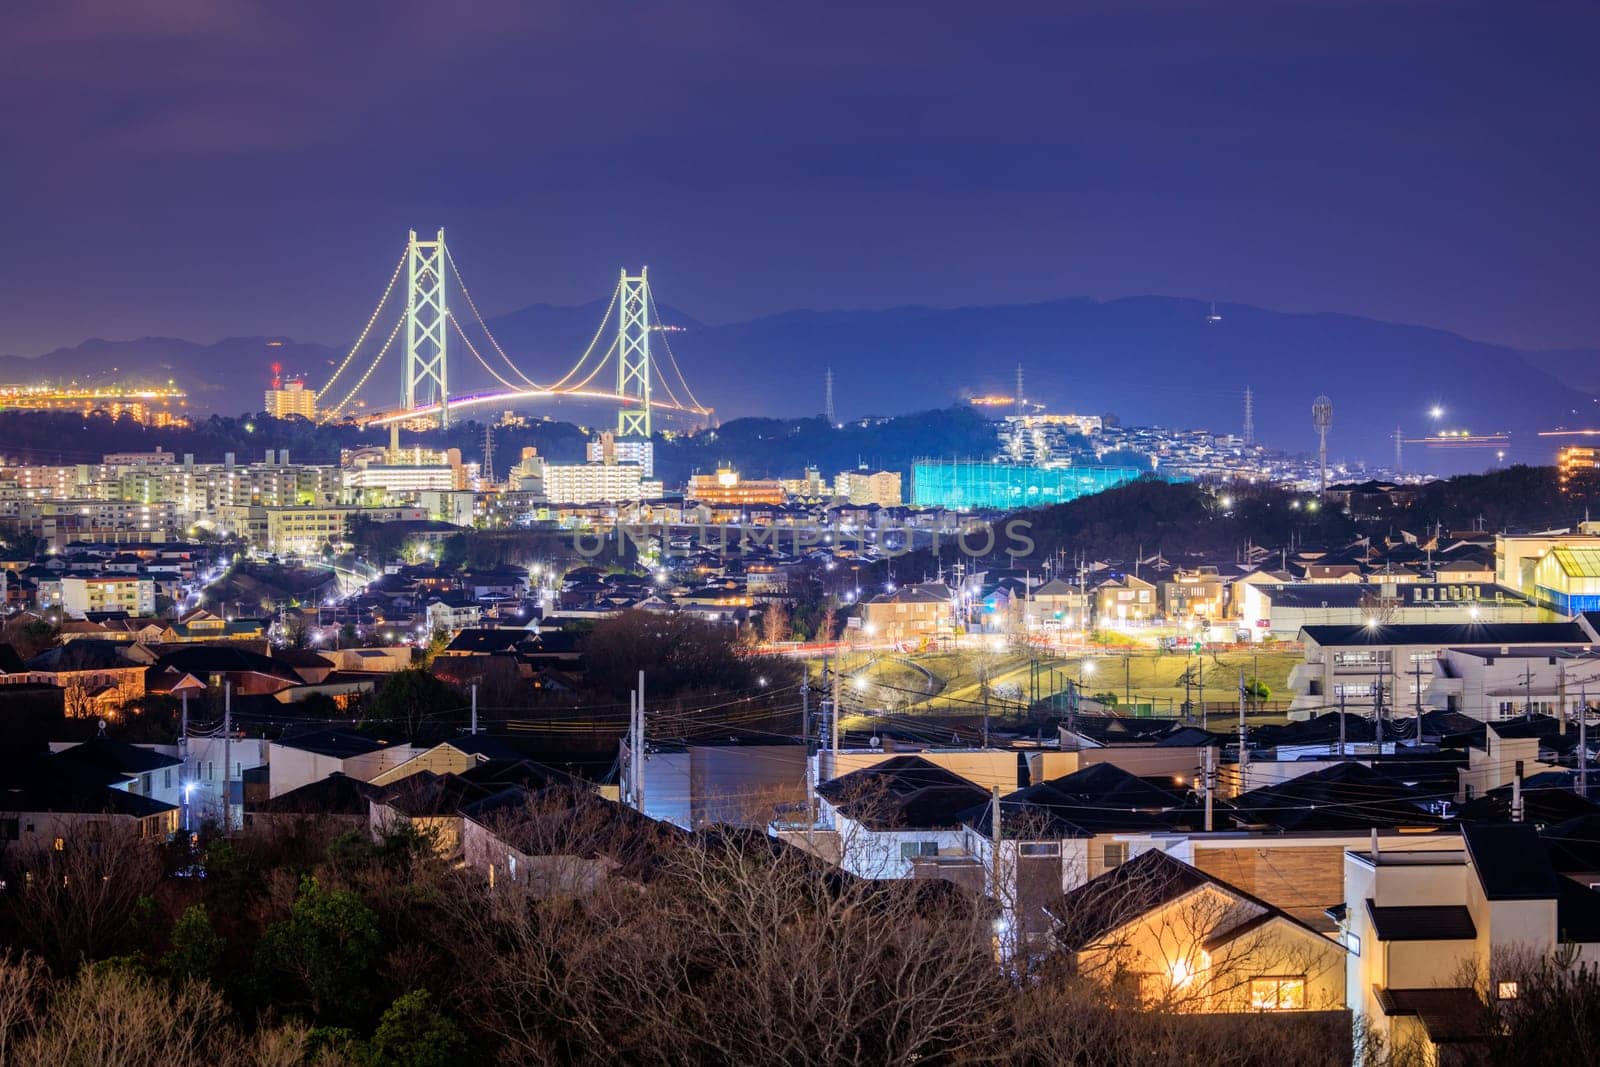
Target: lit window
{"x":1506,"y":990}
{"x":1277,"y":994}
{"x":61,"y":846}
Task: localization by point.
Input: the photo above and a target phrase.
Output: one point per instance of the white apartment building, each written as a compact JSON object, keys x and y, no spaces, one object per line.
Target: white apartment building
{"x":607,"y":448}
{"x":589,"y":483}
{"x":1509,"y":682}
{"x":861,"y":487}
{"x":108,"y":592}
{"x":1354,"y":666}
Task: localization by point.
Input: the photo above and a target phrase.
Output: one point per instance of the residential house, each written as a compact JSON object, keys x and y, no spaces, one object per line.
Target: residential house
{"x":1427,"y":930}
{"x":1185,"y":940}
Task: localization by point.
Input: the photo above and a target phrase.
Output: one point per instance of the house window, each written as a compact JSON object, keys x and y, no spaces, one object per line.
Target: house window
{"x":1506,"y":990}
{"x":1278,"y":993}
{"x":166,"y":779}
{"x":1115,"y":854}
{"x":61,"y":844}
{"x":910,"y":850}
{"x":1041,"y":848}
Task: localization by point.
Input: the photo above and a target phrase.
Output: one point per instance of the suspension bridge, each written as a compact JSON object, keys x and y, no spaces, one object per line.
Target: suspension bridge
{"x":621,"y":356}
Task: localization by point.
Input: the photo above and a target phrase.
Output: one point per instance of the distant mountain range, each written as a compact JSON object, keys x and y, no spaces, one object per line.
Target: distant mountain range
{"x":1149,"y":360}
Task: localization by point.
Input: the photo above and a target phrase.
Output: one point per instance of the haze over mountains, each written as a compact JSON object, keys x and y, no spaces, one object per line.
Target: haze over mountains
{"x":1150,"y":360}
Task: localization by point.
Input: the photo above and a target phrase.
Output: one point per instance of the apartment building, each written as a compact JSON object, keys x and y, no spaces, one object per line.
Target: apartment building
{"x":93,"y":594}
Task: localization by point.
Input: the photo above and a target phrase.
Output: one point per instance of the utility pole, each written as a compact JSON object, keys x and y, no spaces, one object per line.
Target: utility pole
{"x":1244,"y":741}
{"x":995,"y":836}
{"x":1417,"y":685}
{"x":1210,"y":788}
{"x":639,"y":758}
{"x":1127,"y":679}
{"x":1527,"y":691}
{"x":1341,"y":726}
{"x":183,"y":756}
{"x":1561,"y":697}
{"x":834,"y":715}
{"x":227,"y":756}
{"x":474,"y":730}
{"x":805,"y":738}
{"x":1583,"y":742}
{"x":985,"y":680}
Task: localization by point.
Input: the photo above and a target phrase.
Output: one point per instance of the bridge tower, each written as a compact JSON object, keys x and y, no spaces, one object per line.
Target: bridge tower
{"x":426,"y":323}
{"x":633,"y":354}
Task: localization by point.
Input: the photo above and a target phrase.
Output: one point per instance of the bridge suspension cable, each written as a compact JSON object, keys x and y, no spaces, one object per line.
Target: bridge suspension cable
{"x":587,"y":352}
{"x":655,"y":313}
{"x":401,"y":321}
{"x":393,"y":278}
{"x":485,"y":327}
{"x":496,"y":375}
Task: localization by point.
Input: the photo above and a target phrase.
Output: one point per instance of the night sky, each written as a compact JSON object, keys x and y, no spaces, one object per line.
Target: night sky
{"x":203,"y":168}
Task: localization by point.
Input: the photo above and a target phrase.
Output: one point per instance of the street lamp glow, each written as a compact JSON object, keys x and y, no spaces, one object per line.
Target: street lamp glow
{"x":1436,"y":412}
{"x":1088,"y":668}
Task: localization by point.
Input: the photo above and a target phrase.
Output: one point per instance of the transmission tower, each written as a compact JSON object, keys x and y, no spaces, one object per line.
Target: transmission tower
{"x":1322,"y":419}
{"x":488,"y":453}
{"x":633,"y":354}
{"x":1249,"y":416}
{"x":1398,"y":440}
{"x":426,"y":317}
{"x":827,"y":398}
{"x":1022,"y":405}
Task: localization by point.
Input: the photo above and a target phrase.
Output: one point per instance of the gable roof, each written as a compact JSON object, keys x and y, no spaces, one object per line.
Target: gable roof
{"x":118,"y":756}
{"x":83,"y":654}
{"x":339,"y":744}
{"x":1345,"y":796}
{"x":1145,"y":883}
{"x":337,"y":794}
{"x":903,"y":792}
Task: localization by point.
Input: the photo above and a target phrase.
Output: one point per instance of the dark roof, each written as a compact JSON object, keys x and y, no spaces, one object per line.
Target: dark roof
{"x":83,"y":654}
{"x":1441,"y":633}
{"x":219,"y":658}
{"x":1345,"y":796}
{"x":1312,"y":595}
{"x":10,"y":662}
{"x":1574,"y":845}
{"x":1442,"y":922}
{"x":337,"y":794}
{"x":1321,"y":729}
{"x":117,"y":756}
{"x":1449,"y":1015}
{"x":485,"y":640}
{"x":340,"y":744}
{"x":1142,"y":884}
{"x":65,"y":786}
{"x":1540,"y":806}
{"x":903,"y":792}
{"x":1510,"y":861}
{"x":1101,"y":798}
{"x":1577,"y":912}
{"x":301,"y":657}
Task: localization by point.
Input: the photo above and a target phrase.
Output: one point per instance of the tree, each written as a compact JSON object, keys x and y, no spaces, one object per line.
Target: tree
{"x":196,"y":948}
{"x":775,"y":624}
{"x":323,"y":958}
{"x":829,"y":623}
{"x":410,"y":699}
{"x":414,"y":1033}
{"x":76,"y":902}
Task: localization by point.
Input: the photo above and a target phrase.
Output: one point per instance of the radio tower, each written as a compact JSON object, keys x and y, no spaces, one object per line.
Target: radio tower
{"x":827,"y":398}
{"x":1397,"y":443}
{"x":1249,"y":416}
{"x":1022,"y":405}
{"x":1322,"y":419}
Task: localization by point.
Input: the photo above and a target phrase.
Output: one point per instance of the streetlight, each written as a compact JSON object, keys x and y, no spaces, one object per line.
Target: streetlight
{"x":1436,"y":412}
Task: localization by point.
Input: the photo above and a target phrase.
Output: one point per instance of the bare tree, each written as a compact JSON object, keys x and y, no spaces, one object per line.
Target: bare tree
{"x":74,"y":902}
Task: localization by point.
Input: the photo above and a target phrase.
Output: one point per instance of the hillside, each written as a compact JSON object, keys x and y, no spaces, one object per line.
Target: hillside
{"x":1147,"y":359}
